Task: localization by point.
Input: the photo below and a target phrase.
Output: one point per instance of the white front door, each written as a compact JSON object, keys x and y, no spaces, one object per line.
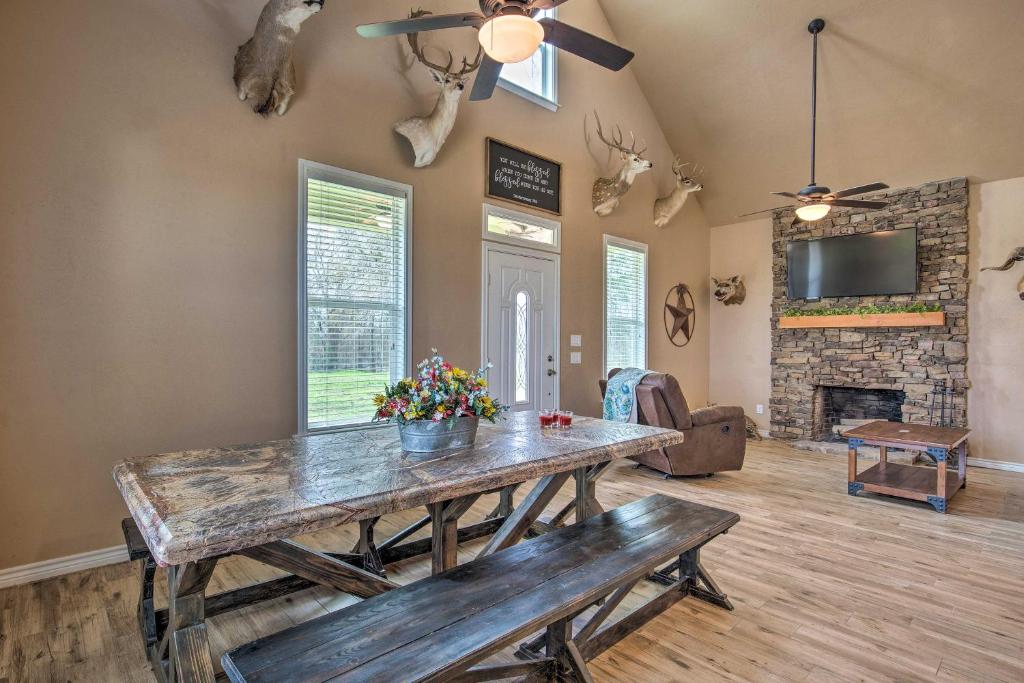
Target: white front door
{"x":520,"y":326}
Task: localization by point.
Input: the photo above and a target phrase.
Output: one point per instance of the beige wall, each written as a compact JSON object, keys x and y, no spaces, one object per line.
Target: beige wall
{"x":996,"y":316}
{"x":740,"y":348}
{"x":147,"y":244}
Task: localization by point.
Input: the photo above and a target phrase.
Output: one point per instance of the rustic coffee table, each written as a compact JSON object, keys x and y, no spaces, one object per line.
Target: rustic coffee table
{"x":909,"y":481}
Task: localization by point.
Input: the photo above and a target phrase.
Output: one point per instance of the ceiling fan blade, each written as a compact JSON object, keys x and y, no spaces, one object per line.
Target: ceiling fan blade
{"x":860,"y":189}
{"x":858,"y":203}
{"x":546,"y":4}
{"x":754,"y":213}
{"x":586,"y":45}
{"x":786,"y":194}
{"x":486,"y":79}
{"x":430,"y":22}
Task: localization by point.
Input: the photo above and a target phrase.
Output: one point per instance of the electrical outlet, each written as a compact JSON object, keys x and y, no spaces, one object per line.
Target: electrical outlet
{"x":575,"y":340}
{"x":575,"y":357}
{"x":760,"y":409}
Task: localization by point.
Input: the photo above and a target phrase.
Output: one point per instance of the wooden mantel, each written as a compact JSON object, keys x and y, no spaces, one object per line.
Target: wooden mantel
{"x":928,"y":319}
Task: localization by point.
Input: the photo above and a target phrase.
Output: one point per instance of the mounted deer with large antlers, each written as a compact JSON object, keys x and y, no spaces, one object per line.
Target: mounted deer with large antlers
{"x":609,"y":191}
{"x":264,"y":70}
{"x":427,"y":134}
{"x":665,"y":208}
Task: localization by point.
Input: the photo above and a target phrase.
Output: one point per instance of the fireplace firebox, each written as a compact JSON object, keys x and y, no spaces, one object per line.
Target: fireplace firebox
{"x":849,"y":406}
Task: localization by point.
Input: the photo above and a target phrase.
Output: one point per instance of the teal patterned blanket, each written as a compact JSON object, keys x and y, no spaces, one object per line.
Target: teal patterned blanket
{"x":620,"y":396}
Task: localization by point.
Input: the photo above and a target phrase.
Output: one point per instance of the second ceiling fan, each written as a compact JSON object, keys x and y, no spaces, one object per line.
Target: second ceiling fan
{"x":509,"y":33}
{"x":816,"y":201}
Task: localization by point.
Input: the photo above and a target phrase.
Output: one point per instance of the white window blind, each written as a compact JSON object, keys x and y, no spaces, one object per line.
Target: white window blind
{"x":354,"y":271}
{"x":625,"y":304}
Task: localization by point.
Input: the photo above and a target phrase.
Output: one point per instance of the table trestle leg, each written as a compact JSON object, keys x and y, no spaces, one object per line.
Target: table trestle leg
{"x":186,"y":641}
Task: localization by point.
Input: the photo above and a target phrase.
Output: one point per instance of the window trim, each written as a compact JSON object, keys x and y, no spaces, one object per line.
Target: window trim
{"x":549,"y":104}
{"x":312,"y":169}
{"x":611,"y":240}
{"x":514,"y":215}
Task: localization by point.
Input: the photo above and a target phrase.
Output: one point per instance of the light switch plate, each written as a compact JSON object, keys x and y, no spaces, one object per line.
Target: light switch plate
{"x":576,"y":340}
{"x":575,"y":357}
{"x":760,"y":409}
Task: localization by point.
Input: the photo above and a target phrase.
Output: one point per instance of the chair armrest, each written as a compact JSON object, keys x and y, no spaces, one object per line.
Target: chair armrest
{"x":715,"y":414}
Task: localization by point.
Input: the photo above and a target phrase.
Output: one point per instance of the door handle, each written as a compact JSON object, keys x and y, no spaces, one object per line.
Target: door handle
{"x":551,"y":372}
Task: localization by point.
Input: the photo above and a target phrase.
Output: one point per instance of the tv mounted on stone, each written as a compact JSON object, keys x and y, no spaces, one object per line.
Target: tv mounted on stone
{"x":869,"y":264}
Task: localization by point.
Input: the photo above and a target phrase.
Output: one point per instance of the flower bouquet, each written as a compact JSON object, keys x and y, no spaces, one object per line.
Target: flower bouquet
{"x":439,"y":408}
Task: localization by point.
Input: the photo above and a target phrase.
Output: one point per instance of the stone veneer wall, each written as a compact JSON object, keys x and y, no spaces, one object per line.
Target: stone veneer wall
{"x":908,"y":359}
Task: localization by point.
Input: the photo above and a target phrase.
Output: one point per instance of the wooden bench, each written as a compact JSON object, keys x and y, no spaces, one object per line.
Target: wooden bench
{"x":441,"y":627}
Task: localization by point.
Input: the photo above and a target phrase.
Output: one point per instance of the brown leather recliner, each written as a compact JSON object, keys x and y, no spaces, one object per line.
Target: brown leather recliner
{"x":716,"y":437}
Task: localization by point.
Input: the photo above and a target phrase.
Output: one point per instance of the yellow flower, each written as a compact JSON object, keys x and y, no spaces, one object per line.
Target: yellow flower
{"x":379,"y":400}
{"x":482,"y":382}
{"x":460,"y":374}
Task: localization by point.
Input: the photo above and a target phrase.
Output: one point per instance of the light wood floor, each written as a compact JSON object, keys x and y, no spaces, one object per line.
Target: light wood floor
{"x":827,"y":588}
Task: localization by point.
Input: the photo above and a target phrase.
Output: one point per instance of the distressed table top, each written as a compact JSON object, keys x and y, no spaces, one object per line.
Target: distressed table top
{"x":200,"y":503}
{"x":910,"y":434}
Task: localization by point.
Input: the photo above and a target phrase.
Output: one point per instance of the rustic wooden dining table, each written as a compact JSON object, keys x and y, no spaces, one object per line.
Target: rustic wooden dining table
{"x":195,"y":507}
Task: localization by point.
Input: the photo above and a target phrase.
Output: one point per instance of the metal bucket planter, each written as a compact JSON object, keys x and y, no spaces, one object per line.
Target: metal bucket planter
{"x":427,"y":436}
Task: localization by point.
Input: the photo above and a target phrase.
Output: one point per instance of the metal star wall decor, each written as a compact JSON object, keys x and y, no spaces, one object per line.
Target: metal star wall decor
{"x":681,"y":316}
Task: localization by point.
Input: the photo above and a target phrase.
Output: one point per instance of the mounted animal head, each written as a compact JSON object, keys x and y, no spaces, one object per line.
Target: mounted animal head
{"x":427,"y":134}
{"x":665,"y":208}
{"x":1016,"y":256}
{"x":633,"y":162}
{"x":730,"y":290}
{"x":687,"y":176}
{"x":452,"y":83}
{"x":608,"y":192}
{"x":264,"y":71}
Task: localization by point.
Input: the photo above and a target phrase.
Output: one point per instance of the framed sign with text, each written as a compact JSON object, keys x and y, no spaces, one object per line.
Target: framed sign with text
{"x":518,"y":176}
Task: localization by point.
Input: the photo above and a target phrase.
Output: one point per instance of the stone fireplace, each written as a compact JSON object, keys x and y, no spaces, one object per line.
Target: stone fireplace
{"x":814,"y":370}
{"x":839,"y":406}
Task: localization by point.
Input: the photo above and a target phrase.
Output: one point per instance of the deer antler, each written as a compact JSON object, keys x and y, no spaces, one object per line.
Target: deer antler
{"x":615,"y":142}
{"x":417,"y":51}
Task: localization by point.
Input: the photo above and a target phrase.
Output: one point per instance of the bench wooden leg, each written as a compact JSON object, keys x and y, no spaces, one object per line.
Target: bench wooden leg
{"x":559,"y":646}
{"x":692,"y":573}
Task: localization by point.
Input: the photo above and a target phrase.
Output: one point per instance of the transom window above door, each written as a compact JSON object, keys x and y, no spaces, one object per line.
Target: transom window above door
{"x":353,"y":293}
{"x":524,"y":229}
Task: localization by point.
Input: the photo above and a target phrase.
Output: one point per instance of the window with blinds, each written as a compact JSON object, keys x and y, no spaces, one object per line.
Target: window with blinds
{"x":625,"y":304}
{"x":354,"y":285}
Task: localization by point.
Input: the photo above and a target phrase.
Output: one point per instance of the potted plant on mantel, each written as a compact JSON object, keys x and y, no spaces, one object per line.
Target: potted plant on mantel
{"x":440,"y":408}
{"x":918,"y":314}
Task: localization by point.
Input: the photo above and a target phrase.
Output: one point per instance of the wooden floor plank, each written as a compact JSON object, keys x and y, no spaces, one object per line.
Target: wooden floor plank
{"x":806,"y":558}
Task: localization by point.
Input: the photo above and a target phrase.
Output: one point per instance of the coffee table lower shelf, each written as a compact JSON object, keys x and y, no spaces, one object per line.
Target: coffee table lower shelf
{"x":905,"y":481}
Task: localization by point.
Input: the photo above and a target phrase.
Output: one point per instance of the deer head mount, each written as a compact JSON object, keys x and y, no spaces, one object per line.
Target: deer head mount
{"x":427,"y":134}
{"x":730,"y":290}
{"x":264,"y":71}
{"x":608,"y":192}
{"x":1015,"y":256}
{"x":687,"y":181}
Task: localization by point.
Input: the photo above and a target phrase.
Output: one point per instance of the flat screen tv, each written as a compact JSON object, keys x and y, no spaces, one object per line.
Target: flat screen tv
{"x":869,"y":264}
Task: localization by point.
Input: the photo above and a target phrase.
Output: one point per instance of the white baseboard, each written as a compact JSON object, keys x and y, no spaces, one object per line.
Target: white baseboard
{"x":996,"y":464}
{"x":58,"y":566}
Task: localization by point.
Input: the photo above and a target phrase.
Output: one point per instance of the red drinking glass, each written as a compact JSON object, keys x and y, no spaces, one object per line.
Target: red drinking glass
{"x":547,"y":418}
{"x":565,"y":419}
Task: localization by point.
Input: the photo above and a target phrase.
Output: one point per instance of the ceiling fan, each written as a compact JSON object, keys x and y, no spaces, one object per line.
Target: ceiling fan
{"x":509,"y":33}
{"x":815,"y":201}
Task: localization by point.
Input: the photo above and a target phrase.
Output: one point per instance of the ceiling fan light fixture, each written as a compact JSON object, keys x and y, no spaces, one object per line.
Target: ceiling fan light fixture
{"x":511,"y":38}
{"x":813,"y":212}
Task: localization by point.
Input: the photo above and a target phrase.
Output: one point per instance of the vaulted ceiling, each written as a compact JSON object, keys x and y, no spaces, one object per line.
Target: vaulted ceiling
{"x":908,"y":91}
